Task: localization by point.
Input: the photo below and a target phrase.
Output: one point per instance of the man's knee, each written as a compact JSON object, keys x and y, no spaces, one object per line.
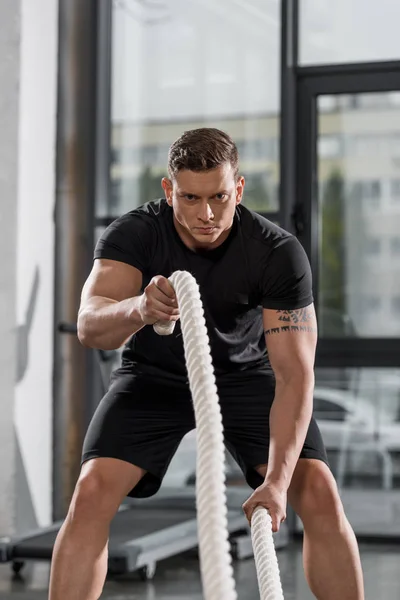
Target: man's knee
{"x":316,"y":499}
{"x":93,"y":499}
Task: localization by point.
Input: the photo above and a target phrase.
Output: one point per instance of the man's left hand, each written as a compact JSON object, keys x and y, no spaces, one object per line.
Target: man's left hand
{"x":273,"y":499}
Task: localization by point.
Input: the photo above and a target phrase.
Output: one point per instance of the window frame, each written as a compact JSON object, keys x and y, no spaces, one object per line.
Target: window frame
{"x":313,"y":82}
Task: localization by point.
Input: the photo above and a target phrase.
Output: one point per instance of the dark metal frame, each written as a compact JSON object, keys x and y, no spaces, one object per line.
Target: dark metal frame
{"x":313,"y":82}
{"x":288,"y":211}
{"x":103,"y":120}
{"x":79,"y":72}
{"x":311,"y":85}
{"x":83,"y":160}
{"x":365,"y":68}
{"x":102,"y":161}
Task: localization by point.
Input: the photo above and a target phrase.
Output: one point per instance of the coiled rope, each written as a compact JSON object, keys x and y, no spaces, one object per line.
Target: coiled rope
{"x":215,"y":558}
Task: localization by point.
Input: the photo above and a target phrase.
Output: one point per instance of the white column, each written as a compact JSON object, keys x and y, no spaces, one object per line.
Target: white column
{"x":35,"y":261}
{"x":9,"y":86}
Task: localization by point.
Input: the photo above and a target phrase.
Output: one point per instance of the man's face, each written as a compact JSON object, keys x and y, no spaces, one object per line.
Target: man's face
{"x":204,"y":204}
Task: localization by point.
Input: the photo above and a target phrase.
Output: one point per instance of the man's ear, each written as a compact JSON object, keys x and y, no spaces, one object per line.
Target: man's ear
{"x":167,"y":187}
{"x":240,"y":189}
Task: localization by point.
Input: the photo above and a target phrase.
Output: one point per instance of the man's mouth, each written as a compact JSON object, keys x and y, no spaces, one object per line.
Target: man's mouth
{"x":205,"y":230}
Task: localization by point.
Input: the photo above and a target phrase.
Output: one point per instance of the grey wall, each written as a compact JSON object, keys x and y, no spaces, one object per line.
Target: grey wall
{"x":9,"y":113}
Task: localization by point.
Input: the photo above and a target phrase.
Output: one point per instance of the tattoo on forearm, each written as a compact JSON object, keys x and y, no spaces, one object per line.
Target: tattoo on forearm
{"x":296,"y":322}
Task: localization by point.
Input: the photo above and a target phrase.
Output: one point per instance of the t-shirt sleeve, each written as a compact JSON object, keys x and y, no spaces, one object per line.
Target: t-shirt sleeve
{"x":286,"y":278}
{"x":130,"y":239}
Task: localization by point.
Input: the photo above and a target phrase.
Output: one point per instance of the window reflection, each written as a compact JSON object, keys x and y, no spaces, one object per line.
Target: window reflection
{"x":358,"y":412}
{"x":220,"y":68}
{"x":359,"y":215}
{"x":347,"y":31}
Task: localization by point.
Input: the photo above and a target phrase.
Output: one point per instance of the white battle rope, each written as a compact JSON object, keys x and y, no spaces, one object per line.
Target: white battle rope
{"x":269,"y":581}
{"x":215,"y":558}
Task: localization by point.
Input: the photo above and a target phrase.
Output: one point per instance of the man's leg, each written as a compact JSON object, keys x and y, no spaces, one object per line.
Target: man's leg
{"x":331,"y":558}
{"x":79,"y":564}
{"x":141,"y":422}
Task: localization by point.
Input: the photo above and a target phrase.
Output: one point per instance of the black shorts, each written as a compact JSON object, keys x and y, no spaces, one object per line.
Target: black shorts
{"x":142,"y":420}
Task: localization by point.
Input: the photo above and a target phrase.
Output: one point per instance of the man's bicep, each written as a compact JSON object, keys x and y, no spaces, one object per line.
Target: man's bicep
{"x":111,"y":279}
{"x":291,"y":337}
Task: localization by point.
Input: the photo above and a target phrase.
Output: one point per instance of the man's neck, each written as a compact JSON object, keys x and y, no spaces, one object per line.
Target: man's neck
{"x":193,"y":244}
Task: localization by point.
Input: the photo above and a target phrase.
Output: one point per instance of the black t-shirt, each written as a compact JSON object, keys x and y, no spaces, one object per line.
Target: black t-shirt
{"x":258,"y":265}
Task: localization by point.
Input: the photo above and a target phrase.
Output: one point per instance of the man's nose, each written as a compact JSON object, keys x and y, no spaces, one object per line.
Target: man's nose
{"x":206,"y":213}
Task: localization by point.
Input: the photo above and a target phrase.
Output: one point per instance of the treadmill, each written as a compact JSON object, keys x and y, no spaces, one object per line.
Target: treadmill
{"x":144,"y":532}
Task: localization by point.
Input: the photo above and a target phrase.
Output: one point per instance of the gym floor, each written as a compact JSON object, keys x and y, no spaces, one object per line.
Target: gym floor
{"x":178,"y":579}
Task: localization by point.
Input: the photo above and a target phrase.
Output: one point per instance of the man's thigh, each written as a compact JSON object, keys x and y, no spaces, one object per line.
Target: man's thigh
{"x":142,"y":422}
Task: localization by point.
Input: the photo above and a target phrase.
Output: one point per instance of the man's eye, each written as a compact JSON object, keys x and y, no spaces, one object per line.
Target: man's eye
{"x":220,"y":196}
{"x":189,"y":197}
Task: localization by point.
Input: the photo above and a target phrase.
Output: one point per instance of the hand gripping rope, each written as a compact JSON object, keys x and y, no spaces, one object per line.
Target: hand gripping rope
{"x":215,"y":559}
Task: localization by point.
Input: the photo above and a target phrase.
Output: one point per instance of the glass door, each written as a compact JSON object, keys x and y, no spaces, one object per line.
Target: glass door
{"x":349,"y":198}
{"x":348,"y":184}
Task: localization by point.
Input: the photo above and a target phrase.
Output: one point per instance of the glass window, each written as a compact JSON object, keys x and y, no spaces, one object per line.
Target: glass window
{"x":329,"y":146}
{"x":396,"y":305}
{"x":371,"y":303}
{"x":357,"y":411}
{"x":328,"y":410}
{"x":395,"y":246}
{"x":212,"y":64}
{"x":371,"y":189}
{"x":347,"y":31}
{"x":372,"y":246}
{"x":359,"y":225}
{"x":368,"y":192}
{"x":366,"y":145}
{"x":395,"y":189}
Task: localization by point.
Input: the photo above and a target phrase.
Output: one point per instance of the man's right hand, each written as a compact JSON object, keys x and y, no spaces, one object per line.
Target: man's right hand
{"x":158,"y":302}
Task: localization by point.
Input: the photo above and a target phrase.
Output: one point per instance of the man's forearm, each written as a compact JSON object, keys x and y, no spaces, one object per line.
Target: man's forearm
{"x":107,"y":324}
{"x":289,"y":421}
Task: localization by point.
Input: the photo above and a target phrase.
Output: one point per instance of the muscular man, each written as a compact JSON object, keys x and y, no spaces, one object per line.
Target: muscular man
{"x":255,"y":284}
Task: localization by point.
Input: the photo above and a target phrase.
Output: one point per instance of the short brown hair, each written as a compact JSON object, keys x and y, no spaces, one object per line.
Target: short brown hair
{"x":201,"y":150}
